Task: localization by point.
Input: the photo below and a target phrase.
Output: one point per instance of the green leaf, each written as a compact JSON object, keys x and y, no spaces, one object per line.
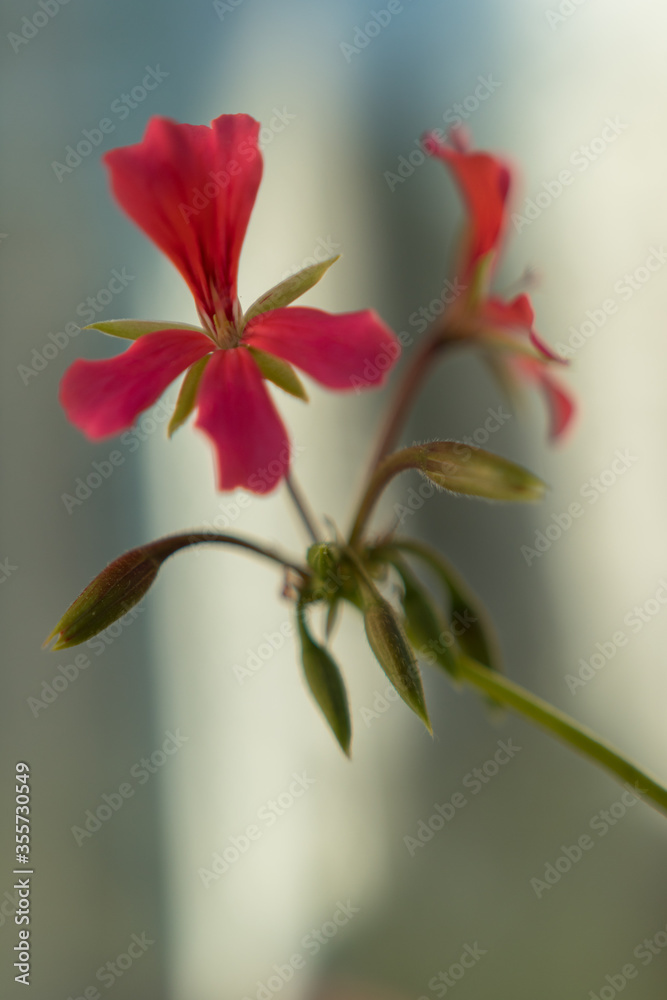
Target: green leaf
{"x":392,"y":649}
{"x":279,"y":372}
{"x":326,"y":684}
{"x":132,"y":329}
{"x":468,"y":621}
{"x":289,"y":289}
{"x":424,"y":627}
{"x":463,"y":468}
{"x":188,"y":394}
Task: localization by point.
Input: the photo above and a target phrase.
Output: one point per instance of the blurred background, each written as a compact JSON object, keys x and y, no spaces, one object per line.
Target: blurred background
{"x":168,"y":897}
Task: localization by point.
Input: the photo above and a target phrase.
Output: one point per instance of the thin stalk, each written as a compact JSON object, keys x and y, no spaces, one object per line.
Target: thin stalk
{"x":202,"y":537}
{"x":384,"y":471}
{"x":580,"y":738}
{"x":302,"y":507}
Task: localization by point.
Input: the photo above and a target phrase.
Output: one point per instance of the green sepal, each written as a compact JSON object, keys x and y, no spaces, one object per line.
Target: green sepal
{"x":187,"y":397}
{"x":279,"y":372}
{"x":390,"y":645}
{"x":289,"y":289}
{"x":132,"y":329}
{"x":326,"y":684}
{"x":472,"y":627}
{"x":423,"y":625}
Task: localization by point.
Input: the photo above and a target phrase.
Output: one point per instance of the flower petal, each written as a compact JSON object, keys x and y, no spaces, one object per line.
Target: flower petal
{"x":191,"y":189}
{"x":339,"y":351}
{"x":518,"y":314}
{"x":238,"y":415}
{"x":104,"y":397}
{"x":562,"y":408}
{"x":484,"y":181}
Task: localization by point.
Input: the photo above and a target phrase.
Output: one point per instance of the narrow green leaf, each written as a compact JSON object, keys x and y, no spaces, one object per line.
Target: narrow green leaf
{"x":468,"y":621}
{"x":326,"y":684}
{"x":424,"y":627}
{"x":132,"y":329}
{"x":279,"y":372}
{"x":289,"y":289}
{"x":188,"y":394}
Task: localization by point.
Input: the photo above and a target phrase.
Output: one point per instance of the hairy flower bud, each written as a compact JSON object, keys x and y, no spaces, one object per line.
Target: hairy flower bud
{"x":113,"y":592}
{"x":467,"y":469}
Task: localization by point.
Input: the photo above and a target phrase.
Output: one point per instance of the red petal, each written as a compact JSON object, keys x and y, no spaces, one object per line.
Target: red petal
{"x":191,"y":189}
{"x":237,"y":413}
{"x":484,"y":181}
{"x":338,"y":351}
{"x":516,"y":315}
{"x":104,"y":397}
{"x":561,"y":405}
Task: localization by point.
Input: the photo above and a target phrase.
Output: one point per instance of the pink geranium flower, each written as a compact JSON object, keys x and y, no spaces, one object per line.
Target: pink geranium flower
{"x":191,"y":189}
{"x":500,"y":324}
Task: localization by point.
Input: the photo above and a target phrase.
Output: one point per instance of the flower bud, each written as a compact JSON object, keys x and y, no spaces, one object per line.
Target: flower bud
{"x":111,"y":594}
{"x":467,"y":469}
{"x":423,"y":626}
{"x":326,"y":684}
{"x":394,"y":654}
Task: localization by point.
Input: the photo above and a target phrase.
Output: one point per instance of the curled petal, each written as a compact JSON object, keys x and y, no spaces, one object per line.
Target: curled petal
{"x":484,"y":181}
{"x":561,"y":405}
{"x":236,"y":412}
{"x":339,"y":351}
{"x":518,"y":314}
{"x":191,"y":189}
{"x":104,"y":397}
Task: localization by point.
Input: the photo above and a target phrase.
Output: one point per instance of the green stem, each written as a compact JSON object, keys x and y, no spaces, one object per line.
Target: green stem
{"x":383,"y":473}
{"x":302,"y":507}
{"x":579,"y":737}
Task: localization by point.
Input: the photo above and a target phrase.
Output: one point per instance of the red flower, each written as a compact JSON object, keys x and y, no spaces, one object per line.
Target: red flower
{"x":191,"y":189}
{"x":508,"y":326}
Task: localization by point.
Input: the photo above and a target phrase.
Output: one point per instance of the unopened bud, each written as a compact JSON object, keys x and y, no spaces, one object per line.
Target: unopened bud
{"x":467,"y":469}
{"x":394,"y":654}
{"x":326,"y":684}
{"x":111,"y":594}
